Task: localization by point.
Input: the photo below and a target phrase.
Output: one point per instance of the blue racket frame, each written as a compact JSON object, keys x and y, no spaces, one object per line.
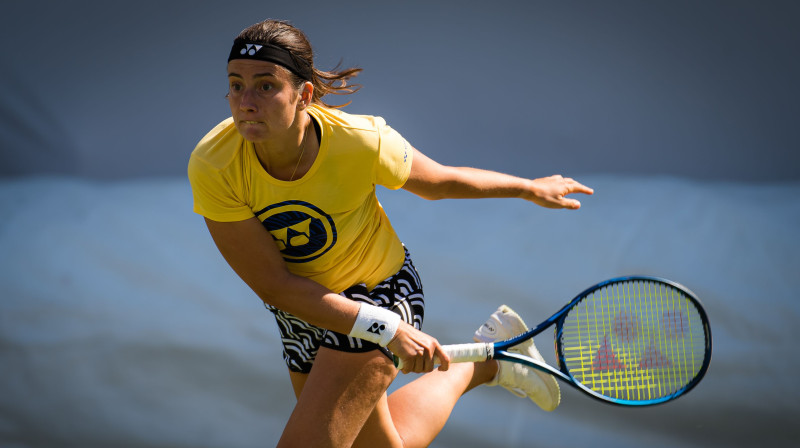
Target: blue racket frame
{"x":501,"y":347}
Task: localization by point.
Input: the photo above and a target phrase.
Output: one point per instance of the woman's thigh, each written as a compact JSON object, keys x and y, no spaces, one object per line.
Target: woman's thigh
{"x":342,"y":402}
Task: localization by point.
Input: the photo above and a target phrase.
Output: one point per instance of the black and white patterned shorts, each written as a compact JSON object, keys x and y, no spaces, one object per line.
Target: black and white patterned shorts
{"x":400,"y":293}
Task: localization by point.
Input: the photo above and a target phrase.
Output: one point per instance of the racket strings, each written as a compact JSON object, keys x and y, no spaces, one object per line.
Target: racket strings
{"x":634,"y":340}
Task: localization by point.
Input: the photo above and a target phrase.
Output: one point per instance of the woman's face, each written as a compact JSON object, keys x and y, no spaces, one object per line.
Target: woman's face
{"x":264,"y":103}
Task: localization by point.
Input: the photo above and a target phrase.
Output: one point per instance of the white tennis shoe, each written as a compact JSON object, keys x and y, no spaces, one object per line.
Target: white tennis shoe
{"x":520,"y":380}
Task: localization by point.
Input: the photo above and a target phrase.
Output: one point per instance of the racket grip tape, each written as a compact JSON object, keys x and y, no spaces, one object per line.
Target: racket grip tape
{"x":473,"y":352}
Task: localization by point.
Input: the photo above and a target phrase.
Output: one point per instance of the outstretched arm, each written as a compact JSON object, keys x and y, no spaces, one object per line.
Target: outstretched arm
{"x":430,"y":180}
{"x":250,"y":250}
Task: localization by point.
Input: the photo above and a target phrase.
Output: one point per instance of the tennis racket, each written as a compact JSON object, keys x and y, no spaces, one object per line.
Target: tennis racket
{"x":633,"y":341}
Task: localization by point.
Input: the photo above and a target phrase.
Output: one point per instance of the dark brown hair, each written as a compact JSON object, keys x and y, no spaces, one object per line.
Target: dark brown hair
{"x":282,"y":34}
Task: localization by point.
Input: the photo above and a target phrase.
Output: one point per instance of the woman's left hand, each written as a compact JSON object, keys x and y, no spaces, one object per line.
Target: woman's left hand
{"x":551,"y":192}
{"x":419,"y":352}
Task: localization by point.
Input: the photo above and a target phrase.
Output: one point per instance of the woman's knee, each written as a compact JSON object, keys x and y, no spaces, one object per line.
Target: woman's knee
{"x":338,"y":397}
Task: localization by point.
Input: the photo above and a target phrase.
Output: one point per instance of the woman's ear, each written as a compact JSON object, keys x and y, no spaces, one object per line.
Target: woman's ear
{"x":306,"y":94}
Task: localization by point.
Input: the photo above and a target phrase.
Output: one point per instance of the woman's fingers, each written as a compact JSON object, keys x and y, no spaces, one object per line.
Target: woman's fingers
{"x":441,"y":357}
{"x":552,"y":192}
{"x":416,"y":349}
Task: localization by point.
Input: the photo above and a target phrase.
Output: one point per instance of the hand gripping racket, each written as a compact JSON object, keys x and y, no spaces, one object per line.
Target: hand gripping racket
{"x":632,"y":341}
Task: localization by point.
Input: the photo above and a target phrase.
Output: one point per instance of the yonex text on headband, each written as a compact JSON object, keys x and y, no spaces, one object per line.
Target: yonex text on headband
{"x":243,"y":49}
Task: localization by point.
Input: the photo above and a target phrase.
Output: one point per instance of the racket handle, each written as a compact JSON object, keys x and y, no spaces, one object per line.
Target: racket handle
{"x":474,"y":352}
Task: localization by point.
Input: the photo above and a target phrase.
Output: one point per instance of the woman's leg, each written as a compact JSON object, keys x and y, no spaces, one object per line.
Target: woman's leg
{"x":338,"y":397}
{"x":343,"y":403}
{"x":421,"y":408}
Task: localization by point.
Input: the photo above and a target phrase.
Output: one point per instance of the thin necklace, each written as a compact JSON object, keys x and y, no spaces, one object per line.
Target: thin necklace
{"x":305,"y":133}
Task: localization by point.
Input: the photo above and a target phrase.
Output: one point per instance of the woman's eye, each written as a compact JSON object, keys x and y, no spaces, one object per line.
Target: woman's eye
{"x":265,"y":87}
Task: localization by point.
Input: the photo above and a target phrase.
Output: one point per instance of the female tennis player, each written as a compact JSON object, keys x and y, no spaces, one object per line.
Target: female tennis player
{"x":287,"y":189}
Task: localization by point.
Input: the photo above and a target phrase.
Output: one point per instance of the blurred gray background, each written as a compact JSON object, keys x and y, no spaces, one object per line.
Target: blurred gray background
{"x":701,"y":89}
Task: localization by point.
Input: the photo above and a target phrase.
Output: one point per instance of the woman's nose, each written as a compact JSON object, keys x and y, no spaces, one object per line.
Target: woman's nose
{"x":248,"y":100}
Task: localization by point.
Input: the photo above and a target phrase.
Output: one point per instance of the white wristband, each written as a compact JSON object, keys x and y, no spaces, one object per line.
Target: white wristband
{"x":375,"y":324}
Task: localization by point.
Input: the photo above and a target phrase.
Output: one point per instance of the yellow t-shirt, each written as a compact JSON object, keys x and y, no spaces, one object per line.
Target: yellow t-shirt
{"x":328,"y":225}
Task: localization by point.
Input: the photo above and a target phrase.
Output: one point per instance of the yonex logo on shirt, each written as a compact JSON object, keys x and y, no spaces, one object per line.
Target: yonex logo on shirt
{"x":301,"y":230}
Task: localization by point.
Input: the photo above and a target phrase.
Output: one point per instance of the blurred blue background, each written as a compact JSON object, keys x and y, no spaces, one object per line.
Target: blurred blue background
{"x":121,"y":326}
{"x":704,"y":89}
